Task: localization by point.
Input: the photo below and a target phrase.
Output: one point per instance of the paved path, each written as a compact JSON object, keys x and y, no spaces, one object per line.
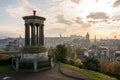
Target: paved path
{"x":52,"y":74}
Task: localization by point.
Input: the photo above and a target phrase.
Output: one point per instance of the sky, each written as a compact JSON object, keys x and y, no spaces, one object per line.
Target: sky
{"x":100,"y":18}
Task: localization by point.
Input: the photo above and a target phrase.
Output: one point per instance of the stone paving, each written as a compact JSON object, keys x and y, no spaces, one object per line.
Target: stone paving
{"x":52,"y":74}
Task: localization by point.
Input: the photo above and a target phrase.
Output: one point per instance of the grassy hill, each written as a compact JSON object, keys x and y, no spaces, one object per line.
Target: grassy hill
{"x":92,"y":74}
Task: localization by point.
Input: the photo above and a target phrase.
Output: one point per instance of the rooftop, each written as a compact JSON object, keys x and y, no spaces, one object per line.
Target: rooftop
{"x":33,"y":16}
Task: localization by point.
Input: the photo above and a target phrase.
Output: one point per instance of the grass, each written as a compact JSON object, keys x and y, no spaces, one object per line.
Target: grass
{"x":92,"y":74}
{"x":6,"y":69}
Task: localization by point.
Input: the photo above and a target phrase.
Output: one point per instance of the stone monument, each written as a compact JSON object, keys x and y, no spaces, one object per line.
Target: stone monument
{"x":34,"y":55}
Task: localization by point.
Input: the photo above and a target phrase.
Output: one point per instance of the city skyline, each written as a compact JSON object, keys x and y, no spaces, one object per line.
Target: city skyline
{"x":69,"y":17}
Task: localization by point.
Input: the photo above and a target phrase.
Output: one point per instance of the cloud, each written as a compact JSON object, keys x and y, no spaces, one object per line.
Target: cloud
{"x":26,"y":4}
{"x":55,"y":31}
{"x":97,"y":0}
{"x":82,"y":23}
{"x":11,"y":30}
{"x":15,"y":11}
{"x":75,"y":1}
{"x":98,"y":15}
{"x":116,"y":18}
{"x":66,"y":16}
{"x":86,"y":25}
{"x":97,"y":21}
{"x":116,"y":3}
{"x":78,"y":20}
{"x":61,"y":19}
{"x":25,"y":8}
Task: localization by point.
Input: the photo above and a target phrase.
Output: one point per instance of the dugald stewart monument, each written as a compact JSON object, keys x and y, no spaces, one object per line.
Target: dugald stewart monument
{"x":34,"y":55}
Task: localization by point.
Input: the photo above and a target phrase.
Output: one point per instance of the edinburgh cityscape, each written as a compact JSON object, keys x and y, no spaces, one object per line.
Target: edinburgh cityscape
{"x":60,"y":40}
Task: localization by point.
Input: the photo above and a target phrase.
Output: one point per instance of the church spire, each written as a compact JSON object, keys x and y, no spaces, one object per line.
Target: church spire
{"x":60,"y":35}
{"x":95,"y":40}
{"x":87,"y":36}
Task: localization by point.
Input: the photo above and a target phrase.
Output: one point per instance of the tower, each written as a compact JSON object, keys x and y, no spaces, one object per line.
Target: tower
{"x":34,"y":30}
{"x":60,"y":36}
{"x":87,"y":36}
{"x":95,"y":39}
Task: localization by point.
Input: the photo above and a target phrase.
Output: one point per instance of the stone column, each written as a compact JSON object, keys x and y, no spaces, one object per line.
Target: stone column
{"x":37,"y":35}
{"x":41,"y":35}
{"x":27,"y":35}
{"x":33,"y":34}
{"x":35,"y":65}
{"x":17,"y":64}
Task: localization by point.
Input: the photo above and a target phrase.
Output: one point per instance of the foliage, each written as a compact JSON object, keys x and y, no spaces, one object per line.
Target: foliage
{"x":93,"y":75}
{"x":61,"y":53}
{"x":34,"y":49}
{"x":111,"y":68}
{"x":71,"y":62}
{"x":6,"y":69}
{"x":69,"y":50}
{"x":51,"y":51}
{"x":42,"y":64}
{"x":91,"y":63}
{"x":2,"y":56}
{"x":5,"y":60}
{"x":78,"y":63}
{"x":2,"y":50}
{"x":80,"y":51}
{"x":73,"y":56}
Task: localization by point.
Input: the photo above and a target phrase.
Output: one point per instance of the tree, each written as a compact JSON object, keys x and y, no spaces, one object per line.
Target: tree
{"x":69,"y":50}
{"x":61,"y":53}
{"x":91,"y":63}
{"x":51,"y":51}
{"x":80,"y":51}
{"x":112,"y":67}
{"x":73,"y":56}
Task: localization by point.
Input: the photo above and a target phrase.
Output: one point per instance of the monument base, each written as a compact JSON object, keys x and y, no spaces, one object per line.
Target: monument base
{"x":33,"y":62}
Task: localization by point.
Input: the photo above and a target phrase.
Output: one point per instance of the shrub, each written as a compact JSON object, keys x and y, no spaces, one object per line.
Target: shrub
{"x":2,"y":50}
{"x":91,"y":63}
{"x":78,"y":63}
{"x":112,"y":68}
{"x":61,"y":53}
{"x":71,"y":62}
{"x":34,"y":49}
{"x":6,"y":61}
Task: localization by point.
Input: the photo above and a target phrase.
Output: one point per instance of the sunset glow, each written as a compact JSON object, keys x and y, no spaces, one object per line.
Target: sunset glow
{"x":66,"y":17}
